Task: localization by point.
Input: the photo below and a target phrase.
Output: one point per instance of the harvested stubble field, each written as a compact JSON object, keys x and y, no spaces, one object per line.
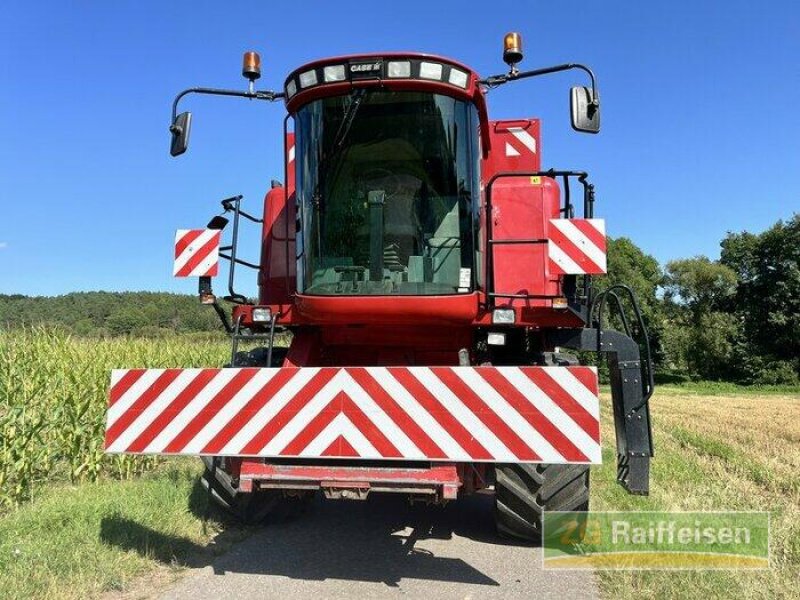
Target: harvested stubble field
{"x":62,"y":502}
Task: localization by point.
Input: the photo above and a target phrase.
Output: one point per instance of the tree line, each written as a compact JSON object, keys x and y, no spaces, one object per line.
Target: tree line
{"x":735,"y":319}
{"x":103,"y":314}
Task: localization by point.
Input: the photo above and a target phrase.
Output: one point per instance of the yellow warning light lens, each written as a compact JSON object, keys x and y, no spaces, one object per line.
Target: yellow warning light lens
{"x":512,"y":48}
{"x":560,"y":303}
{"x":251,"y":65}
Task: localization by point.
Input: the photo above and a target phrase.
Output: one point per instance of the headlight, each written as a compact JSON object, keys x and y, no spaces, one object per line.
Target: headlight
{"x":399,"y":68}
{"x":334,"y":73}
{"x":262,"y":315}
{"x":503,"y":316}
{"x":496,"y":339}
{"x":428,"y":70}
{"x":308,"y":78}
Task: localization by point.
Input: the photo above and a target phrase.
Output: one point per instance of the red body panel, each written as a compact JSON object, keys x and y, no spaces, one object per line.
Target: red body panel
{"x":515,"y":146}
{"x":277,"y":280}
{"x":522,"y":209}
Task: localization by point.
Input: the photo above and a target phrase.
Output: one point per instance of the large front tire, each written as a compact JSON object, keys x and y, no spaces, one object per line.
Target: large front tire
{"x":250,"y":507}
{"x":524,"y":491}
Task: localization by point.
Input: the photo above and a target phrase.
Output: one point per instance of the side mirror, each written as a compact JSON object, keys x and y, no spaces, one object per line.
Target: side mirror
{"x":180,"y":133}
{"x":585,"y":110}
{"x":217,"y":222}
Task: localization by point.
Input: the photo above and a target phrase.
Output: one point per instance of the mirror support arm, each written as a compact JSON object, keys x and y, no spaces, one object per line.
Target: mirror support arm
{"x":495,"y":80}
{"x":255,"y":95}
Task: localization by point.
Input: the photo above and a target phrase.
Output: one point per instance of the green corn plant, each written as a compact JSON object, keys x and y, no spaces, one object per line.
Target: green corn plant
{"x":53,"y":395}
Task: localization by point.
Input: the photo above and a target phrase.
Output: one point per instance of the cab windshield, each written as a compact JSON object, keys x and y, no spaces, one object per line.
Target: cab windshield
{"x":387,"y":185}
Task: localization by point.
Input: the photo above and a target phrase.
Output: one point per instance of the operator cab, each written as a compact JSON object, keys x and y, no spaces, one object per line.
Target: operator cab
{"x":387,"y":176}
{"x":387,"y":186}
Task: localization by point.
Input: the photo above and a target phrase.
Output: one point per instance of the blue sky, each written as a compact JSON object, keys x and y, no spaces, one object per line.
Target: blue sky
{"x":701,"y":134}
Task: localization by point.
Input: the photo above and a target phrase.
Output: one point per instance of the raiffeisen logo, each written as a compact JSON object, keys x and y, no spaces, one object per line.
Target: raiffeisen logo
{"x":673,"y":532}
{"x":647,"y":540}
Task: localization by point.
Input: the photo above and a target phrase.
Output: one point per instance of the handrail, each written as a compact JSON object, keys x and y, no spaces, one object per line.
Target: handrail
{"x":567,"y":211}
{"x":233,"y":204}
{"x":598,"y":304}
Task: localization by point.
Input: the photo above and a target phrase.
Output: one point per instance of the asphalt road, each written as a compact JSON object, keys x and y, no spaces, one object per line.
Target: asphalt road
{"x":383,"y":548}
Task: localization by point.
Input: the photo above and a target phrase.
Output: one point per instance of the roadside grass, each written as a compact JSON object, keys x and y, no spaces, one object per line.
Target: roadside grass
{"x":84,"y":541}
{"x":715,"y":453}
{"x":726,"y":388}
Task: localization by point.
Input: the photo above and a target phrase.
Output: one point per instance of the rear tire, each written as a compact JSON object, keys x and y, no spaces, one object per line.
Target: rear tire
{"x":524,"y":491}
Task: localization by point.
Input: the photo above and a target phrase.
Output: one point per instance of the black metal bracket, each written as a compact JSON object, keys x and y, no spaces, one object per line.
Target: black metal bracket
{"x":495,"y":80}
{"x":267,"y":95}
{"x":629,"y":394}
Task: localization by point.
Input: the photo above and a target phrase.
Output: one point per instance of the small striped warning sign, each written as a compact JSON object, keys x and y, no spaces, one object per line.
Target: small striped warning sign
{"x":577,"y":246}
{"x":197,"y":252}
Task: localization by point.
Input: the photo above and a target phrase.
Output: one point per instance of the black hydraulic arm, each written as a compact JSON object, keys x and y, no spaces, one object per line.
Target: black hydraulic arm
{"x":629,"y":396}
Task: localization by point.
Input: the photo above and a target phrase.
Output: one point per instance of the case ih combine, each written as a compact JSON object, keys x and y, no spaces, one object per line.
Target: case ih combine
{"x":432,"y":277}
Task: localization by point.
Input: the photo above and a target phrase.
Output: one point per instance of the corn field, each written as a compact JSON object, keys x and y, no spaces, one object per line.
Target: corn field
{"x":52,"y":404}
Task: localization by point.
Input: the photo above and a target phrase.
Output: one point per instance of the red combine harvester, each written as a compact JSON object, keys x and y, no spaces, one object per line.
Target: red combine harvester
{"x":432,"y":276}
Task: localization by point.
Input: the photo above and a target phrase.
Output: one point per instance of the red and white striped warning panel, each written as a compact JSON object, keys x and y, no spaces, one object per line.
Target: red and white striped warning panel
{"x":506,"y":414}
{"x":577,"y":246}
{"x":519,"y":141}
{"x":197,"y":252}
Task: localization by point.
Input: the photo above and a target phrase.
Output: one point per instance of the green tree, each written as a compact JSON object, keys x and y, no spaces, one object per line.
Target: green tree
{"x":768,"y":301}
{"x":702,"y":334}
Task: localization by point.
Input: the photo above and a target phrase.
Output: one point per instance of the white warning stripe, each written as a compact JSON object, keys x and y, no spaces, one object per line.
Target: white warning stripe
{"x":116,"y":375}
{"x":291,"y":154}
{"x":149,"y":414}
{"x":341,"y":426}
{"x":195,"y":405}
{"x":192,"y":249}
{"x":131,"y":395}
{"x":577,"y":237}
{"x":565,"y":263}
{"x":378,"y":416}
{"x":303,"y":417}
{"x":232,"y":408}
{"x":267,"y":412}
{"x":421,"y":417}
{"x":553,"y":412}
{"x":509,"y":415}
{"x":462,"y":414}
{"x":576,"y":390}
{"x":523,"y":136}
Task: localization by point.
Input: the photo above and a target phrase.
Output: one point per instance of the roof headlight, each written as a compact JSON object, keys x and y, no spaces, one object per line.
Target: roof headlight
{"x":333,"y":73}
{"x":429,"y":70}
{"x":458,"y":78}
{"x":398,"y":68}
{"x":308,"y":78}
